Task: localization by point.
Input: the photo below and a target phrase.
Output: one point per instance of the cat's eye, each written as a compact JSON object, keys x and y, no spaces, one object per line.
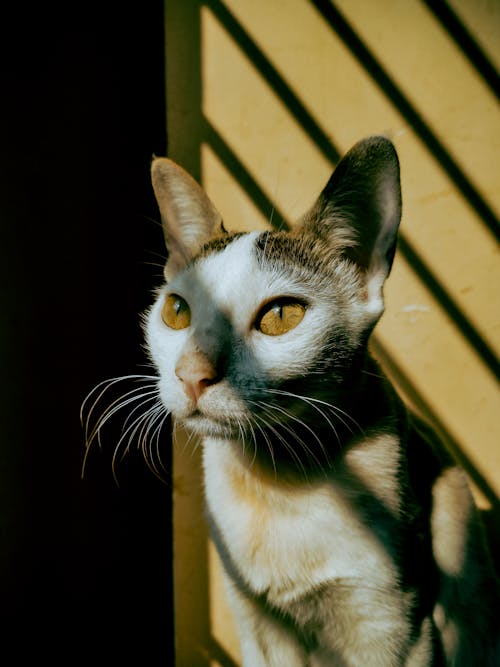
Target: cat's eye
{"x":176,"y":313}
{"x":280,"y":316}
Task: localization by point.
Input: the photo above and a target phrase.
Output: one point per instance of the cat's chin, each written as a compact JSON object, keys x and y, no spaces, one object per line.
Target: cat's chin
{"x":209,"y":427}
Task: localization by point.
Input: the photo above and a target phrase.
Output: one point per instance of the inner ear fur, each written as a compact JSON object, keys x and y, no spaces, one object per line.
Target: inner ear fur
{"x":188,"y":216}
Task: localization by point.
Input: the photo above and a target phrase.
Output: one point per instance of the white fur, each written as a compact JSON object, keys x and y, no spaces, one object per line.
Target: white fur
{"x":286,"y":541}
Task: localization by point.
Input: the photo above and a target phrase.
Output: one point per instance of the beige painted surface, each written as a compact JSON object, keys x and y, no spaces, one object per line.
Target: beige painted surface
{"x":229,"y":93}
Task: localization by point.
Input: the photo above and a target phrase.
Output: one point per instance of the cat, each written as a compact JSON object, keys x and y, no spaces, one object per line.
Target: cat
{"x":348,"y":535}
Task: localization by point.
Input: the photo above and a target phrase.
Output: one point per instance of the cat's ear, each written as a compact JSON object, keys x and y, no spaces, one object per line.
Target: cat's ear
{"x":360,"y":207}
{"x":188,"y":216}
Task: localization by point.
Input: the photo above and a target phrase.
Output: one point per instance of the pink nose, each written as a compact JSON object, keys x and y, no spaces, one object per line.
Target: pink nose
{"x":196,"y":373}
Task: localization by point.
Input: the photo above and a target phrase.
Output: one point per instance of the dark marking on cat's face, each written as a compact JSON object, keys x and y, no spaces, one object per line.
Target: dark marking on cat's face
{"x":218,"y":243}
{"x":308,"y":258}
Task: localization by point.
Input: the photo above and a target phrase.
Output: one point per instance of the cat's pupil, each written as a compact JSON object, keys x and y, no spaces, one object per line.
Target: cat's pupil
{"x":278,"y":311}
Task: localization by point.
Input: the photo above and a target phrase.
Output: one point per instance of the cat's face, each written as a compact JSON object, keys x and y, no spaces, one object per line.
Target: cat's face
{"x":259,"y":331}
{"x":247,"y":321}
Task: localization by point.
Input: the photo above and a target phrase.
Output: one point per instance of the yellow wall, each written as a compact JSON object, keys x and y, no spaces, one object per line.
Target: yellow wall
{"x":262,"y":97}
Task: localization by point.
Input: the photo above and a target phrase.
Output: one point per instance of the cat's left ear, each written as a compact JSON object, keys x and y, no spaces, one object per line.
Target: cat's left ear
{"x":360,"y":209}
{"x":188,"y":216}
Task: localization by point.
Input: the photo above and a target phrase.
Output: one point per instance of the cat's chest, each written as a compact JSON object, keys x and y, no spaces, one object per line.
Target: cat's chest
{"x":287,"y":541}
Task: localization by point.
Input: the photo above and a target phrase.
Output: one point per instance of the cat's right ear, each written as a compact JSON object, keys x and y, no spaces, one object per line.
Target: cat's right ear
{"x":188,"y":216}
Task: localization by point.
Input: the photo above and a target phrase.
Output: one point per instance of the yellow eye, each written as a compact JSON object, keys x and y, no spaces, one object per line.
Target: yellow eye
{"x":280,"y":316}
{"x":176,"y":313}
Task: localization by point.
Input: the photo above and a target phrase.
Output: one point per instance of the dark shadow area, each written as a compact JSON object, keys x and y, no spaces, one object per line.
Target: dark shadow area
{"x":184,"y":84}
{"x":465,"y":41}
{"x":219,"y":654}
{"x":491,"y":517}
{"x":421,"y":405}
{"x":360,"y":51}
{"x":84,"y":565}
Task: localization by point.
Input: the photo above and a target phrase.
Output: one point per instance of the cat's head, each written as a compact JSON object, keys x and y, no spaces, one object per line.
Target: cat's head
{"x":259,"y":329}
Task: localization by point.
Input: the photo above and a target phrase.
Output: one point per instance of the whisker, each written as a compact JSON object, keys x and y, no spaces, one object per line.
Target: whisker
{"x":191,"y":436}
{"x":242,"y":436}
{"x":322,"y":413}
{"x":109,"y":382}
{"x":115,"y":407}
{"x":153,"y":393}
{"x":266,"y":424}
{"x":269,"y":444}
{"x":311,"y":400}
{"x":310,"y":452}
{"x":108,"y":385}
{"x":131,"y":431}
{"x":161,"y":418}
{"x":133,"y":426}
{"x":97,"y":432}
{"x":290,"y":415}
{"x":155,"y":264}
{"x":286,"y":444}
{"x":254,"y":439}
{"x":140,"y":431}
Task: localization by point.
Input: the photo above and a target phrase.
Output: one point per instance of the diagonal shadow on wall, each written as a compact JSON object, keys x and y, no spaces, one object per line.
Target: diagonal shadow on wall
{"x":465,"y":41}
{"x":276,"y":82}
{"x":360,"y":51}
